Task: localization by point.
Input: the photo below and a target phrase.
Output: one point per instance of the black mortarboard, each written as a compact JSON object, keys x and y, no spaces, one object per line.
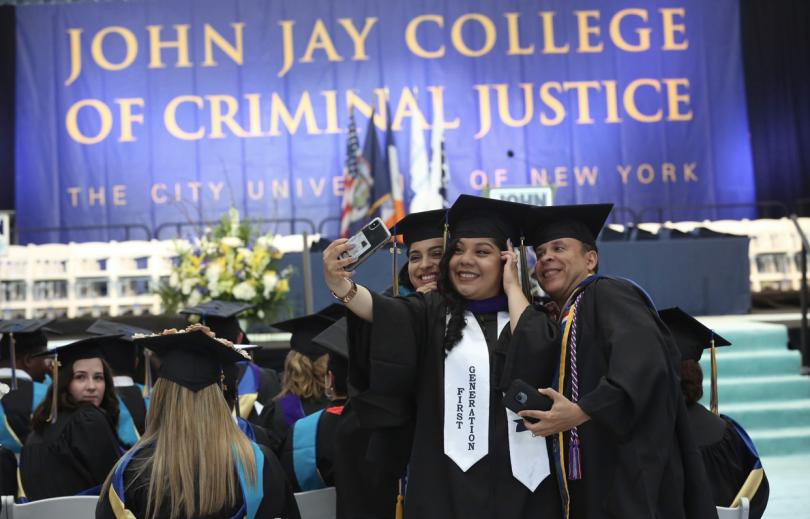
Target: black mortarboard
{"x":29,"y":335}
{"x":193,"y":359}
{"x":477,"y":217}
{"x":89,"y":348}
{"x":121,"y":353}
{"x":581,"y":222}
{"x":334,"y":339}
{"x":304,"y":329}
{"x":220,"y":317}
{"x":690,"y":334}
{"x":421,"y":226}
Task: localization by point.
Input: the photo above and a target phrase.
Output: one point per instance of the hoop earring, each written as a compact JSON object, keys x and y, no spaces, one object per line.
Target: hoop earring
{"x":329,"y":390}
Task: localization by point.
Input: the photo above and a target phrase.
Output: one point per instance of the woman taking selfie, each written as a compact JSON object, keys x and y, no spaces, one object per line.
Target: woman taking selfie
{"x":454,"y":352}
{"x":73,"y":444}
{"x":193,"y":461}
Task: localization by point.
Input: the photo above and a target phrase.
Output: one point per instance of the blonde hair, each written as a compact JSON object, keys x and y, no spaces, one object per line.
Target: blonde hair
{"x":304,"y":377}
{"x":196,"y":447}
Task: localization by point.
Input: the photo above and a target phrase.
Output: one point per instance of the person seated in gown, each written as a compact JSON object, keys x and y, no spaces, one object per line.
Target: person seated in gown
{"x":454,"y":352}
{"x":8,"y":461}
{"x":302,"y":383}
{"x":193,"y":461}
{"x":73,"y":444}
{"x":729,"y":455}
{"x":258,"y":385}
{"x":123,"y":357}
{"x":25,"y":376}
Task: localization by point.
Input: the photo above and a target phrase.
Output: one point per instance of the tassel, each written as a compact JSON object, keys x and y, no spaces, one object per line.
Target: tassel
{"x":147,"y":373}
{"x":713,"y":402}
{"x":54,"y":390}
{"x":446,"y":232}
{"x":394,"y":269}
{"x":525,"y":284}
{"x":574,"y":459}
{"x":400,"y":508}
{"x":12,"y":355}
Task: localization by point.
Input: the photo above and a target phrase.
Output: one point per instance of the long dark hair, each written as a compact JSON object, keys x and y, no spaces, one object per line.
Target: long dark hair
{"x":452,"y":299}
{"x":109,"y":402}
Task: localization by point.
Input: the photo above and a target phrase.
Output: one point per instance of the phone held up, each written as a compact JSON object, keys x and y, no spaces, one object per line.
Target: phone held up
{"x":366,"y":242}
{"x":521,"y":396}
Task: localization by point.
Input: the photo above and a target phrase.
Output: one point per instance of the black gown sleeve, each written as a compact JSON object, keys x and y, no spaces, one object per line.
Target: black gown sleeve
{"x":8,"y":472}
{"x":534,"y":349}
{"x":279,"y":500}
{"x":93,"y":442}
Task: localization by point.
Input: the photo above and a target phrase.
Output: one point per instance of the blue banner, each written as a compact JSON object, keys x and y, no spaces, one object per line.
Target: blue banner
{"x":148,"y":112}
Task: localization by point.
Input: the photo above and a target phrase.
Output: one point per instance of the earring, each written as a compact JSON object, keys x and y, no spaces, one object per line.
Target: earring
{"x":329,"y":390}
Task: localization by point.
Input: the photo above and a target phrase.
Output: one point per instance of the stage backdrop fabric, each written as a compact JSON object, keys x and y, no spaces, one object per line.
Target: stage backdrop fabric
{"x":151,"y":112}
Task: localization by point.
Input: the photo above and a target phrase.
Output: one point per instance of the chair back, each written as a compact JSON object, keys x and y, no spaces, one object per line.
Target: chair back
{"x":317,"y":504}
{"x":69,"y":507}
{"x":740,"y":512}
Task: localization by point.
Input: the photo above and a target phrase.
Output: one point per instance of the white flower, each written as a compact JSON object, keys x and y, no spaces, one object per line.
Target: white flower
{"x":174,"y":280}
{"x":269,"y":280}
{"x":264,"y":241}
{"x":213,"y":289}
{"x":244,"y":291}
{"x":213,"y":272}
{"x":232,"y":241}
{"x":188,"y":284}
{"x":194,"y":298}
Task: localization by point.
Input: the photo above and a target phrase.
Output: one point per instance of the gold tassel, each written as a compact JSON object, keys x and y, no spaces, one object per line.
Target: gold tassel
{"x":394,"y":269}
{"x":400,"y":509}
{"x":54,"y":390}
{"x":147,"y":373}
{"x":713,"y":403}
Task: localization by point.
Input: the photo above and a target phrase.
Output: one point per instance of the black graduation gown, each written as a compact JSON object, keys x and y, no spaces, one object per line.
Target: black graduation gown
{"x":637,"y":455}
{"x":328,"y":424}
{"x":269,"y":387}
{"x":278,"y":500}
{"x":8,"y":472}
{"x":72,"y":455}
{"x":272,"y":417}
{"x":727,"y":459}
{"x":405,"y":350}
{"x":133,"y":399}
{"x":17,"y":406}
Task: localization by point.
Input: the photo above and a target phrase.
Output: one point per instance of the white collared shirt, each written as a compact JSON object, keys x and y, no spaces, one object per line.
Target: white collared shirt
{"x":6,"y":373}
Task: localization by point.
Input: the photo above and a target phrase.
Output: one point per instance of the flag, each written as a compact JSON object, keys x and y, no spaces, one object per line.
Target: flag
{"x":425,"y":195}
{"x":382,"y":204}
{"x":397,"y":182}
{"x":439,"y":171}
{"x":356,"y":185}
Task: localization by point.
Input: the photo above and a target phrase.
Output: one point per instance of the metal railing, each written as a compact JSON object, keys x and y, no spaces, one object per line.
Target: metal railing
{"x":178,"y":227}
{"x":764,"y":209}
{"x":803,"y":296}
{"x":127,"y":228}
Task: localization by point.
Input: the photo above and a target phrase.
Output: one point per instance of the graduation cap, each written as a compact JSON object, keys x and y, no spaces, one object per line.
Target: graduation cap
{"x":220,"y":317}
{"x":478,"y":217}
{"x":90,"y":348}
{"x":333,"y":339}
{"x":22,"y":336}
{"x":692,"y":337}
{"x":425,"y":225}
{"x":192,"y":359}
{"x":304,"y":329}
{"x":582,"y":222}
{"x":120,"y":353}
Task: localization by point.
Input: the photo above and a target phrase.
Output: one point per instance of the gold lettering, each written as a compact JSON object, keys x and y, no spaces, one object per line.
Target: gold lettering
{"x":234,"y":50}
{"x":437,"y":98}
{"x":353,"y":101}
{"x":671,"y":28}
{"x":549,"y":46}
{"x":317,"y":188}
{"x":320,"y":39}
{"x":170,"y":119}
{"x":127,"y":117}
{"x":218,"y":118}
{"x":255,"y":191}
{"x":359,"y":39}
{"x":583,"y":101}
{"x":513,"y":30}
{"x":675,"y":99}
{"x":645,"y":173}
{"x":281,"y":189}
{"x":72,"y":125}
{"x":553,"y":103}
{"x":586,"y":174}
{"x":586,"y":30}
{"x":254,"y":114}
{"x":195,"y":190}
{"x":119,"y":194}
{"x":503,"y":105}
{"x":408,"y":107}
{"x":159,"y":198}
{"x":96,"y":196}
{"x":216,"y":189}
{"x":478,"y":179}
{"x":643,"y":33}
{"x":75,"y":37}
{"x":287,"y":45}
{"x":279,"y":111}
{"x":331,"y":111}
{"x":624,"y":171}
{"x":630,"y":101}
{"x":484,"y":112}
{"x":612,"y":100}
{"x":131,"y":43}
{"x":74,"y":195}
{"x":414,"y":45}
{"x":668,"y":172}
{"x":156,"y":45}
{"x":561,"y":176}
{"x":458,"y":40}
{"x":689,"y":172}
{"x":539,"y":178}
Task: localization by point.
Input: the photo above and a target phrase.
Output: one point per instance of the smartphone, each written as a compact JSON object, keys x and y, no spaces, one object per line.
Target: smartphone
{"x":521,"y":396}
{"x":370,"y":238}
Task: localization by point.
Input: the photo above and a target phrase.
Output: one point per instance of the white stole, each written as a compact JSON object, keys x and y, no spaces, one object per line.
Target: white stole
{"x":466,"y":394}
{"x":466,"y":410}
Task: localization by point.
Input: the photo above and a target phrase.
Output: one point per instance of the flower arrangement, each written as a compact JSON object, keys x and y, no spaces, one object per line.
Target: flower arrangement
{"x":231,"y":262}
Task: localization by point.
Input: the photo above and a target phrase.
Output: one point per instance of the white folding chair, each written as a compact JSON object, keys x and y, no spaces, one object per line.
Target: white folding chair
{"x":740,"y":512}
{"x":69,"y":507}
{"x":317,"y":504}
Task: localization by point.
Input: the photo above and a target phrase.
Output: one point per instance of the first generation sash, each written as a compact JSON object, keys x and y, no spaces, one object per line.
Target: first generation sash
{"x":466,"y":395}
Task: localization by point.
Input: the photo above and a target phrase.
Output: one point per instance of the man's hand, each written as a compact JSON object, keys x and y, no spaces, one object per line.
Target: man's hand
{"x":563,"y":415}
